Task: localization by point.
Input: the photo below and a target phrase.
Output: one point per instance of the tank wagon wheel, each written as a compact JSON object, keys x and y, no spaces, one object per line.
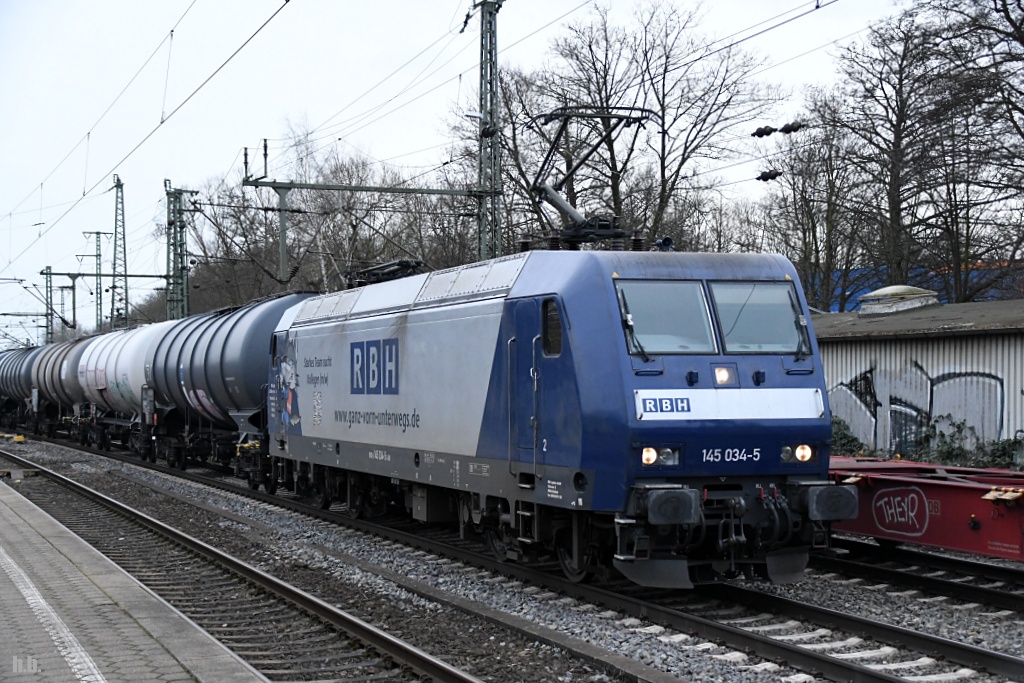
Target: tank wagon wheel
{"x":254,"y":481}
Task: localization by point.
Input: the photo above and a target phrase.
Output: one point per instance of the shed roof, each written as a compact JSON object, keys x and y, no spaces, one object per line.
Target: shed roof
{"x":988,"y":317}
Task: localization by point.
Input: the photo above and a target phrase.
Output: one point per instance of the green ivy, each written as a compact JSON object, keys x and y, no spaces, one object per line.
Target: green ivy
{"x":951,"y":442}
{"x":843,"y":440}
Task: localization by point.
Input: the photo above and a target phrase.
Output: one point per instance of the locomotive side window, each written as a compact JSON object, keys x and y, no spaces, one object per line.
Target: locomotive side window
{"x":552,"y":331}
{"x":760,"y":316}
{"x":664,"y":316}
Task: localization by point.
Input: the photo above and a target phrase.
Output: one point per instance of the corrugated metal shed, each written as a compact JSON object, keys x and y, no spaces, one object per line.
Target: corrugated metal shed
{"x":891,"y":376}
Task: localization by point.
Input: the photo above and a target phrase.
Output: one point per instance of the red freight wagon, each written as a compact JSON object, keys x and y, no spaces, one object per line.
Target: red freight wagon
{"x":957,"y":508}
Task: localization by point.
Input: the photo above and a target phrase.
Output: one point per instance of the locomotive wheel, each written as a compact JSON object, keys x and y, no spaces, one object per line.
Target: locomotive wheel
{"x":270,"y":480}
{"x":584,"y":571}
{"x":496,"y":541}
{"x":321,"y":486}
{"x":571,"y":571}
{"x":355,"y":506}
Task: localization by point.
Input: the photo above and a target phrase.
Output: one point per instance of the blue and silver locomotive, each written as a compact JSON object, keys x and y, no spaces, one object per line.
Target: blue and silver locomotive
{"x":662,"y":414}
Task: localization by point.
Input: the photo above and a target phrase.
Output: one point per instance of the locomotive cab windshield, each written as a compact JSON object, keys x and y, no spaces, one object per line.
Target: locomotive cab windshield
{"x":673,"y":317}
{"x":665,"y":317}
{"x":759,"y":316}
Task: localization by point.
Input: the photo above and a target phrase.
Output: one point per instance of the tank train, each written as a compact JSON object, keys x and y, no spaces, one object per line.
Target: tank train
{"x":659,"y":415}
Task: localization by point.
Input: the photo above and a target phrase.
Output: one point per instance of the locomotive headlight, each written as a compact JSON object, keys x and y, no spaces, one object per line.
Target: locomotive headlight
{"x":802,"y":453}
{"x":659,"y":456}
{"x":725,"y":376}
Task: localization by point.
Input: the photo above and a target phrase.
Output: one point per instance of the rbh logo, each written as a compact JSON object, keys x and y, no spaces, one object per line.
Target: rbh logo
{"x":666,"y":405}
{"x":374,"y":366}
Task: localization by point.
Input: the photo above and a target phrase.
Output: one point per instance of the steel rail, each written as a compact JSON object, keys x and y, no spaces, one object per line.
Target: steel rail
{"x":998,"y":598}
{"x":950,"y":650}
{"x":982,"y":569}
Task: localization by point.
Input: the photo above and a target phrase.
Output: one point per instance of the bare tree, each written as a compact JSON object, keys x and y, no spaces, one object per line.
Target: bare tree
{"x":699,"y":92}
{"x":595,"y":70}
{"x":888,"y":111}
{"x":812,"y":214}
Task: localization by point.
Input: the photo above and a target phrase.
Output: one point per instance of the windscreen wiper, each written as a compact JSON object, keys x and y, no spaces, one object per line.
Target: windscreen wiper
{"x":627,"y":324}
{"x":803,"y":348}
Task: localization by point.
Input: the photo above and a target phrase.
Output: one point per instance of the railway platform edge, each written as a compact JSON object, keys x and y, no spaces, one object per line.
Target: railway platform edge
{"x":70,"y":614}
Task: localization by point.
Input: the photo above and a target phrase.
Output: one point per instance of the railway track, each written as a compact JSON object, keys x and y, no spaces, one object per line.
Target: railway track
{"x":736,"y":624}
{"x":996,"y":587}
{"x":285,"y":633}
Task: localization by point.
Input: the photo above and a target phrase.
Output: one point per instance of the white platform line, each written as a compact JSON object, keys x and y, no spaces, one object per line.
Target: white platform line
{"x":78,"y":659}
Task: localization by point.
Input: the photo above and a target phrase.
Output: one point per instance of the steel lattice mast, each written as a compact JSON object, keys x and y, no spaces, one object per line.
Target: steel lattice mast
{"x":119,"y":286}
{"x":489,"y":177}
{"x":177,"y":254}
{"x":99,"y":279}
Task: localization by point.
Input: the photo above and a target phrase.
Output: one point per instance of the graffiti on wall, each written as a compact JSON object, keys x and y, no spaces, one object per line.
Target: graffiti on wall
{"x":889,"y":409}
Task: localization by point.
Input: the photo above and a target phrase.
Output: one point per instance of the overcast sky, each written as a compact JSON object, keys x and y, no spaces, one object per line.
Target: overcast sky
{"x":85,"y":86}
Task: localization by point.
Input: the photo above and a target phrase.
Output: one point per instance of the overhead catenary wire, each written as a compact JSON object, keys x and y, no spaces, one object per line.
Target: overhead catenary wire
{"x":85,"y":138}
{"x":360,"y":121}
{"x":151,"y":133}
{"x":694,"y":58}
